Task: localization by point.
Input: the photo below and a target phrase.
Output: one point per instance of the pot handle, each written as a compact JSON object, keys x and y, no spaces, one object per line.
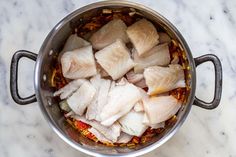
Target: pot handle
{"x":218,"y":81}
{"x":14,"y":77}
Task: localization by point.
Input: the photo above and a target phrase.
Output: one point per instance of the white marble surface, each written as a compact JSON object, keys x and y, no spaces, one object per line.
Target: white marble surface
{"x":208,"y":26}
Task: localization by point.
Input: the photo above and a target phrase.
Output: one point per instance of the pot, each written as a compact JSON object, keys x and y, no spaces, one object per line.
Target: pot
{"x":44,"y":92}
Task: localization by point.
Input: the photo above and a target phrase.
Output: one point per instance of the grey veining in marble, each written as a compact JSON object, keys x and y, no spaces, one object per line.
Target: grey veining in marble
{"x":207,"y":25}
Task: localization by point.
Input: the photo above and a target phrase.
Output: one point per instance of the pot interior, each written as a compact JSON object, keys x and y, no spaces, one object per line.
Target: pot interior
{"x":48,"y":57}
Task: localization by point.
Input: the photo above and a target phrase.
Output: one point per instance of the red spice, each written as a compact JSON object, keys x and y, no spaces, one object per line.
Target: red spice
{"x":81,"y":125}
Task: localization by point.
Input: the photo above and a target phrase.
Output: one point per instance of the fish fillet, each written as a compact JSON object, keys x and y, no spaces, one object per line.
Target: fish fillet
{"x":102,"y":88}
{"x":164,"y":38}
{"x":138,"y":107}
{"x":115,"y":59}
{"x":72,"y":43}
{"x":78,"y":63}
{"x":157,"y":125}
{"x":109,"y":33}
{"x":111,"y":133}
{"x":121,"y":99}
{"x":158,"y":55}
{"x":143,"y":36}
{"x":79,"y":100}
{"x":132,"y":123}
{"x":159,"y":109}
{"x":163,"y":79}
{"x":124,"y":138}
{"x":99,"y":135}
{"x":69,"y":89}
{"x":141,"y":84}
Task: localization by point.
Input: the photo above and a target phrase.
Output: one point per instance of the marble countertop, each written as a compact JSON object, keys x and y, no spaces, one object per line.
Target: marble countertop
{"x":207,"y":26}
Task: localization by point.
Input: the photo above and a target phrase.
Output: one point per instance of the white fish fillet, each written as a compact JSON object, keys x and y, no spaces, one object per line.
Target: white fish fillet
{"x":138,"y":107}
{"x":109,"y":33}
{"x":164,"y":38}
{"x":102,"y":88}
{"x":111,"y":133}
{"x":99,"y":135}
{"x":163,"y":79}
{"x":159,"y":109}
{"x":158,"y":125}
{"x":121,"y":82}
{"x":143,"y":36}
{"x":79,"y":63}
{"x":133,"y":77}
{"x":158,"y":55}
{"x":124,"y":138}
{"x":115,"y":59}
{"x":132,"y":123}
{"x":69,"y":89}
{"x":72,"y":43}
{"x":79,"y":100}
{"x":121,"y":99}
{"x":141,"y":84}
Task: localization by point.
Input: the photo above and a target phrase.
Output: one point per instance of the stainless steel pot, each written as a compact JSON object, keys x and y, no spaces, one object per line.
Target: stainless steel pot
{"x":44,"y":66}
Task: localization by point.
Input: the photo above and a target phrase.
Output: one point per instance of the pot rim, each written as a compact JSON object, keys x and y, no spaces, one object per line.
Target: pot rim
{"x":91,"y":6}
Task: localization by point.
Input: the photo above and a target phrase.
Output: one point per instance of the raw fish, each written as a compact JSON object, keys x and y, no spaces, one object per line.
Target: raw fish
{"x":102,"y":88}
{"x":111,"y":133}
{"x":132,"y":123}
{"x":164,"y":38}
{"x":124,"y":138}
{"x":79,"y":100}
{"x":141,"y":84}
{"x":158,"y":125}
{"x":99,"y":135}
{"x":121,"y":99}
{"x":72,"y":43}
{"x":158,"y":55}
{"x":159,"y":109}
{"x":109,"y":33}
{"x":78,"y":63}
{"x":69,"y":89}
{"x":115,"y":59}
{"x":143,"y":36}
{"x":138,"y":107}
{"x":163,"y":79}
